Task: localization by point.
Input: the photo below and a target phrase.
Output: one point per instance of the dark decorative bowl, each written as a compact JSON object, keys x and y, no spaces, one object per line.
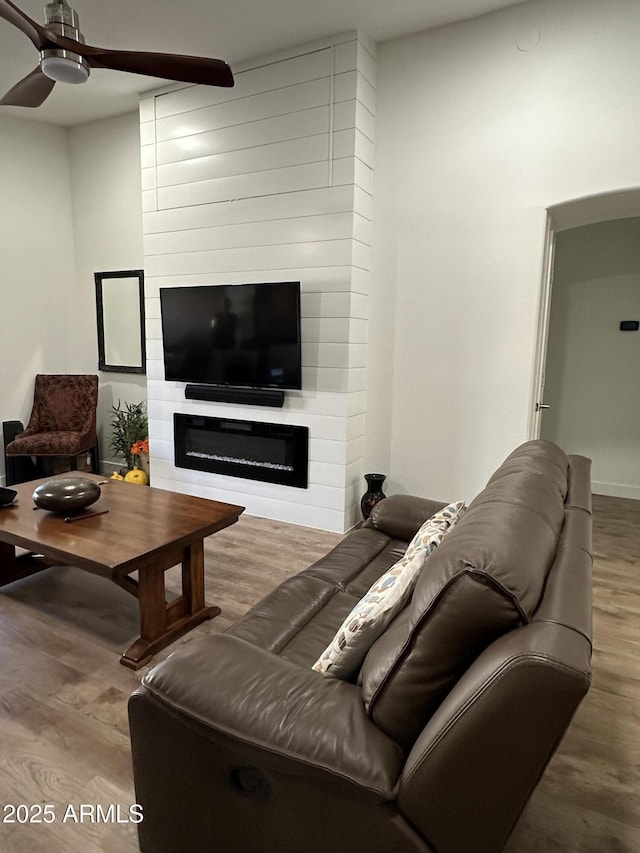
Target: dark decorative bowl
{"x":7,"y":496}
{"x":67,"y":494}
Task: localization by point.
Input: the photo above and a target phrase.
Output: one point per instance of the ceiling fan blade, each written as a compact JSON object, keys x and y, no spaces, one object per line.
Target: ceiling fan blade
{"x":32,"y":91}
{"x":169,"y":66}
{"x":187,"y":69}
{"x":29,"y":27}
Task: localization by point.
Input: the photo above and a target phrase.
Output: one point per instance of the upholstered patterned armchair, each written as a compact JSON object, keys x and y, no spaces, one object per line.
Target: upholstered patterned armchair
{"x":62,"y":423}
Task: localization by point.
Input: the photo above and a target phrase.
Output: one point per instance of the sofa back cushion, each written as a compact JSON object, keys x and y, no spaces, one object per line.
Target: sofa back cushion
{"x":486,"y":578}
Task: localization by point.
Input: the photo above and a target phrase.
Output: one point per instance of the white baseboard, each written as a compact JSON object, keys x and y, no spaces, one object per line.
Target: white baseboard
{"x":616,"y":490}
{"x":107,"y":468}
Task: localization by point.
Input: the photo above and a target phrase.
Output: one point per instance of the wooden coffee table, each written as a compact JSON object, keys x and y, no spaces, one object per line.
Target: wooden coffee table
{"x":145,"y":530}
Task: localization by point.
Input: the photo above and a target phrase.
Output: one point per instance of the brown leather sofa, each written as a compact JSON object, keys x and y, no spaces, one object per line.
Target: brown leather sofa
{"x":240,"y":747}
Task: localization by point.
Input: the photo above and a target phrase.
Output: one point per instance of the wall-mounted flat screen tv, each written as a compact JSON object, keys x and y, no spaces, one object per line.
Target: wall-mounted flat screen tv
{"x":246,"y":335}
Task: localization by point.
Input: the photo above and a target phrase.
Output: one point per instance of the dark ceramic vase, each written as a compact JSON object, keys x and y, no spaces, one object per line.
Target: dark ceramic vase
{"x":374,"y":493}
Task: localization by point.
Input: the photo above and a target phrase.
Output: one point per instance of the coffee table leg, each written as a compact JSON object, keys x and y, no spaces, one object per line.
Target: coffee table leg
{"x":7,"y":562}
{"x":193,"y":578}
{"x":153,"y":609}
{"x":161,"y":623}
{"x":153,"y":617}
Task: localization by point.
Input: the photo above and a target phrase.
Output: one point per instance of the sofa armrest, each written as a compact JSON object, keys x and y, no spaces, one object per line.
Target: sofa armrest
{"x":264,"y":702}
{"x":401,"y":516}
{"x":487,"y":745}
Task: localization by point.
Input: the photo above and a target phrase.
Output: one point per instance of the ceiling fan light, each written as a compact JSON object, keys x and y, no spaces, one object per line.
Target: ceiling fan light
{"x":65,"y":69}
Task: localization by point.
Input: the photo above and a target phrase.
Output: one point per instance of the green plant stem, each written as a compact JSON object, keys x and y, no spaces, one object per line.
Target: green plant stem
{"x":128,"y":425}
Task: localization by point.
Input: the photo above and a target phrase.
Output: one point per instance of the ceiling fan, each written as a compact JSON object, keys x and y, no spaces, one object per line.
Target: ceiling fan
{"x":65,"y":58}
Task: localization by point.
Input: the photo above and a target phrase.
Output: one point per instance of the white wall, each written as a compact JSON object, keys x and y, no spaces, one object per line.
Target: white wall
{"x":270,"y":181}
{"x":72,"y":206}
{"x":481,"y":126}
{"x":107,"y":225}
{"x":592,"y":367}
{"x":36,"y":247}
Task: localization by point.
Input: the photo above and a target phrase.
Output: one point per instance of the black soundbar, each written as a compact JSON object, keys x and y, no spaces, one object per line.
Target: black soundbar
{"x":229,"y":394}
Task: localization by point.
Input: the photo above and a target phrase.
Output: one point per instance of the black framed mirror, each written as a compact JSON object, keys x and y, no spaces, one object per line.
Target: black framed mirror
{"x":120,"y":316}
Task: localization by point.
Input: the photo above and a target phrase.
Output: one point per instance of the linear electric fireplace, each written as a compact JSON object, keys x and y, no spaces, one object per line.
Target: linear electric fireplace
{"x":272,"y":453}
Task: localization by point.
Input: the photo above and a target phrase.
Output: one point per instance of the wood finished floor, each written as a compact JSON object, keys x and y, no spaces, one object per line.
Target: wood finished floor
{"x":63,"y":723}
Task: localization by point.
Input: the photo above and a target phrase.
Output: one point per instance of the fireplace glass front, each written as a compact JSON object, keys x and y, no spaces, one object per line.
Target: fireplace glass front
{"x":272,"y":453}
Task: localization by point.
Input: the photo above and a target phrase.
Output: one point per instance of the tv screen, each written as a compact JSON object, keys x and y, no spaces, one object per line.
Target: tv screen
{"x":233,"y":334}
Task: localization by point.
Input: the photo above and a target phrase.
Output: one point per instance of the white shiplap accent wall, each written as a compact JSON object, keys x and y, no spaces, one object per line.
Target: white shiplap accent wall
{"x":270,"y":181}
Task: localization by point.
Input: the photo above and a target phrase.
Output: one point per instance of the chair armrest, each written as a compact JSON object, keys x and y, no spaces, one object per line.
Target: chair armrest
{"x":401,"y":516}
{"x":266,"y":702}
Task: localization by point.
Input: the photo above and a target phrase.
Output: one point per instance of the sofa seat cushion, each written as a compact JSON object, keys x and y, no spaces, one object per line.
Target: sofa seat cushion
{"x":307,"y":644}
{"x":283,"y":613}
{"x":50,"y":444}
{"x":486,"y":578}
{"x":358,"y":560}
{"x":300,"y":616}
{"x":267,"y":713}
{"x":335,"y":582}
